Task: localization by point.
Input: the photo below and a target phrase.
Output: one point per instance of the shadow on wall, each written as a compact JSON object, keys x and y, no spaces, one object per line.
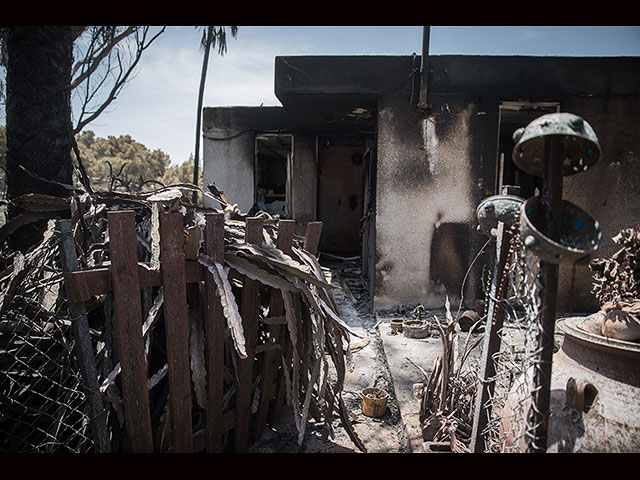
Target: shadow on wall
{"x":450,"y":256}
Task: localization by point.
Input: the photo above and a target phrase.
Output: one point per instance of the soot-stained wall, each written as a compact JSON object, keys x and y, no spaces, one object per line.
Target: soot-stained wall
{"x":430,"y":179}
{"x":434,"y":169}
{"x":229,"y":135}
{"x":609,"y":190}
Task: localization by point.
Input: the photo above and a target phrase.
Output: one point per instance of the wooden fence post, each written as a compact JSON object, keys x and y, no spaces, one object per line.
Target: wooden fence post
{"x":174,"y":285}
{"x":126,"y":289}
{"x":249,"y":312}
{"x":312,"y":237}
{"x":271,"y":358}
{"x":214,"y":334}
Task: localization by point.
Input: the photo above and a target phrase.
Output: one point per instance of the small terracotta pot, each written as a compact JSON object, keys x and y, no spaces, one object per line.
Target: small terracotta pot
{"x":374,"y":401}
{"x":415,"y":329}
{"x":396,"y":325}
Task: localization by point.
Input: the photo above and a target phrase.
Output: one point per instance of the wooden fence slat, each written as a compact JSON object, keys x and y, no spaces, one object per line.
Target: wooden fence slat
{"x":271,"y":358}
{"x":126,"y":292}
{"x":176,"y":321}
{"x":249,"y":312}
{"x":126,"y":276}
{"x":214,"y":335}
{"x":312,"y":237}
{"x":87,"y":283}
{"x":311,"y":241}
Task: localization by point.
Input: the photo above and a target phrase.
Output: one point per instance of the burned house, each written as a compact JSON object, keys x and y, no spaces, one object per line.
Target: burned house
{"x":397,"y":181}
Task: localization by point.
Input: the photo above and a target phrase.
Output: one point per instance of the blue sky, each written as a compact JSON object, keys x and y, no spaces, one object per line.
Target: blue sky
{"x":158,"y":107}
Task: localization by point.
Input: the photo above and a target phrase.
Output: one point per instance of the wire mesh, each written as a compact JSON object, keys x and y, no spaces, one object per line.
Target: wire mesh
{"x":509,"y":425}
{"x":42,"y":405}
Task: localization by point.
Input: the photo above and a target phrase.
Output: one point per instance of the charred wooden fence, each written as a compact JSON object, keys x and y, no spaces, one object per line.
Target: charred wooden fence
{"x":228,"y":425}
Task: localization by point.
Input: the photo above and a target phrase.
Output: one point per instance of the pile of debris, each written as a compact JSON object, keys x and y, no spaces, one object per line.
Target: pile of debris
{"x":320,"y":345}
{"x":616,"y":286}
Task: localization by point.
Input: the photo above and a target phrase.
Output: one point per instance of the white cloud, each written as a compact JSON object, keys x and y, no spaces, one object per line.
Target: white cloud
{"x":529,"y":34}
{"x":158,"y":107}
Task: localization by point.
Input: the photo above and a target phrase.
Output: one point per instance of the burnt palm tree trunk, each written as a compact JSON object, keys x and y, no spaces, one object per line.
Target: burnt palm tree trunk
{"x":38,"y":109}
{"x":38,"y":78}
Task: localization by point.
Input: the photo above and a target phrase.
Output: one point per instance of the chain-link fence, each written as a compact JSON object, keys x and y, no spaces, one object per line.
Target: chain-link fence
{"x":42,"y":404}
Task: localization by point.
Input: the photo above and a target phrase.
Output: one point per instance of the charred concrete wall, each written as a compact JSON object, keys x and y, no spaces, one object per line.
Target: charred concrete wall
{"x":433,"y":167}
{"x":429,"y":178}
{"x":229,"y":157}
{"x":235,"y":179}
{"x":610,"y":190}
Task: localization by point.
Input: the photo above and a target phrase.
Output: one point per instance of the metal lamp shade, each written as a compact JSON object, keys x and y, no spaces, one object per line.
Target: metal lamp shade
{"x":580,"y":235}
{"x":581,"y":145}
{"x":497,"y":208}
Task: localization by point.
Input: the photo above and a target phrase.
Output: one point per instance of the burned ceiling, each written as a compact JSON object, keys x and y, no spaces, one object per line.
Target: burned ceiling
{"x":337,"y":95}
{"x":332,"y":114}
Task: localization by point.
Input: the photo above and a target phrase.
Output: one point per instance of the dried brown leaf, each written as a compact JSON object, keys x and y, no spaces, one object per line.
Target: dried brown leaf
{"x":279,"y":261}
{"x":255,"y":272}
{"x":228,"y":301}
{"x":293,"y":335}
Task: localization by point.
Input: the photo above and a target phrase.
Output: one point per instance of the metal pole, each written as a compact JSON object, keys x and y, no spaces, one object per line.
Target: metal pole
{"x":492,"y":339}
{"x":538,"y":419}
{"x":84,"y":348}
{"x":424,"y":68}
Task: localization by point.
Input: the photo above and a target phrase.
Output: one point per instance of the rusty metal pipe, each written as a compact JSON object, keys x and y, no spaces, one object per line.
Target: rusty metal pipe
{"x":424,"y":67}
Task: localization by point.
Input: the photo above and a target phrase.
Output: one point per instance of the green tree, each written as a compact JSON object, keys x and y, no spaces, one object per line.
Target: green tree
{"x":120,"y":163}
{"x":181,"y":173}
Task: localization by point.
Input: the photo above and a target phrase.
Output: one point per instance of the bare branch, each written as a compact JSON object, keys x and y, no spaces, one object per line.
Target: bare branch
{"x":121,"y":78}
{"x":94,"y":62}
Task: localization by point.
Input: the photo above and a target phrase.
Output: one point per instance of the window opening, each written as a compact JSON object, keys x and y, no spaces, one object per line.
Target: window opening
{"x":273,"y":159}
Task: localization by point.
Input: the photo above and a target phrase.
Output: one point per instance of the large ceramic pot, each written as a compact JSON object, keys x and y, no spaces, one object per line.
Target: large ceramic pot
{"x":595,"y":396}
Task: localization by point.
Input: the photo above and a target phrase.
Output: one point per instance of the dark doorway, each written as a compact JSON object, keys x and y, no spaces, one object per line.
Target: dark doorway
{"x":341,"y":170}
{"x":513,"y":115}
